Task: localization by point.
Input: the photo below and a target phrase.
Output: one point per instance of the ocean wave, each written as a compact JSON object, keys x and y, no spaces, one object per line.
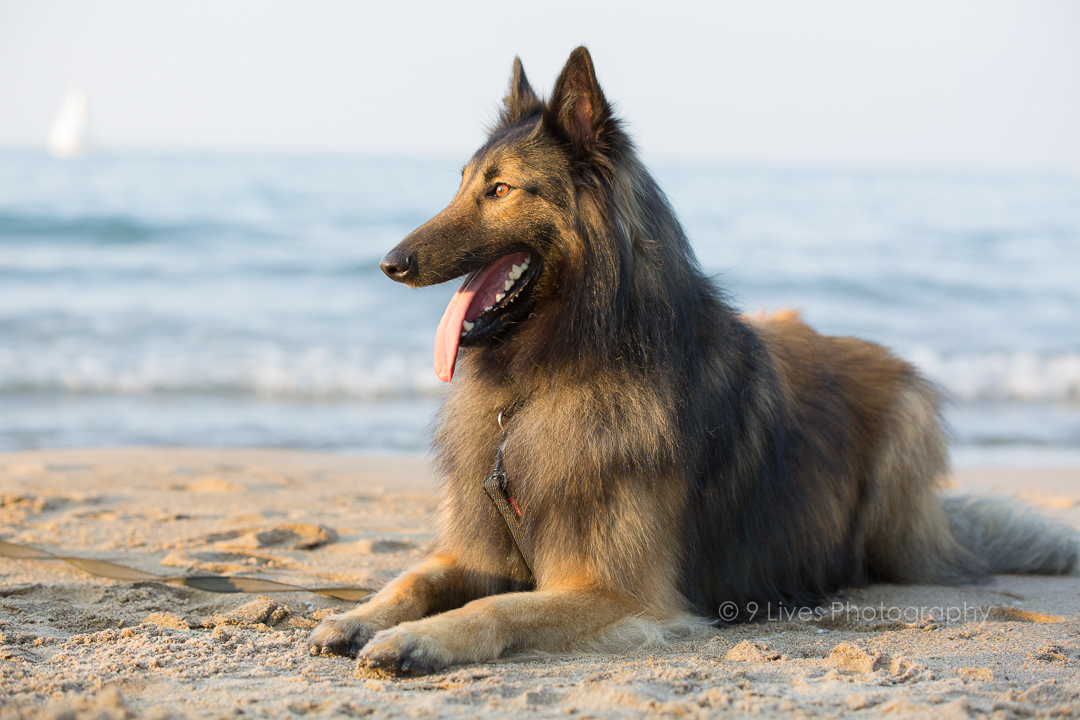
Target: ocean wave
{"x":1017,"y":376}
{"x":314,"y":375}
{"x":321,"y":374}
{"x":339,"y":230}
{"x":93,"y":229}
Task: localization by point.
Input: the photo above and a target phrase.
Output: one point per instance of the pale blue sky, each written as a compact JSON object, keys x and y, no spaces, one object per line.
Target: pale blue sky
{"x":955,"y":83}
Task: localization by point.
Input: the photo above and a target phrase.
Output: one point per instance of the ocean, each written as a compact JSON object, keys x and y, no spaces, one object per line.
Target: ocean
{"x":237,"y":301}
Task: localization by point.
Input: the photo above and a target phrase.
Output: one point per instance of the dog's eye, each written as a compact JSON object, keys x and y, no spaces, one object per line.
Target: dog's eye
{"x":501,"y":190}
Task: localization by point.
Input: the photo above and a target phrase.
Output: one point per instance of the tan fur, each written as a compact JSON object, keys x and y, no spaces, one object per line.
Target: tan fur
{"x":410,"y":596}
{"x":550,"y":619}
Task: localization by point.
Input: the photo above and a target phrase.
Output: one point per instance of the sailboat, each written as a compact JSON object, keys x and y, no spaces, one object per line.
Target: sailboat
{"x":67,"y":135}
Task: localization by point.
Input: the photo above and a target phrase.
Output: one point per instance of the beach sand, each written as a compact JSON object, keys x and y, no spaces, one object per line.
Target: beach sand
{"x":77,"y":646}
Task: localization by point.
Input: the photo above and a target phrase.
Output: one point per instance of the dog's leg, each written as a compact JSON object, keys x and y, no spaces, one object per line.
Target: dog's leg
{"x":436,"y":583}
{"x":486,"y":628}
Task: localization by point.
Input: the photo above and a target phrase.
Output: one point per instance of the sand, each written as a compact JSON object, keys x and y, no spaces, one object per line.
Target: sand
{"x":76,"y":646}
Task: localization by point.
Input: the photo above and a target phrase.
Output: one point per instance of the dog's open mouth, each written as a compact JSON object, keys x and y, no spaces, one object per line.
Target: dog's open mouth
{"x":486,"y":303}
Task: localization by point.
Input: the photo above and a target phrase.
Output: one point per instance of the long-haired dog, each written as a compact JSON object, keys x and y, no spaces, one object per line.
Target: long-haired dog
{"x":621,"y":450}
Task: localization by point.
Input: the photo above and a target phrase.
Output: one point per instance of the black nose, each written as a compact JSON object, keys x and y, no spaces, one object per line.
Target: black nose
{"x":399,"y":265}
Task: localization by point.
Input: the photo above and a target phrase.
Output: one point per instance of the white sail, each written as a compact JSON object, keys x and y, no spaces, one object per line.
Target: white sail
{"x":67,"y":136}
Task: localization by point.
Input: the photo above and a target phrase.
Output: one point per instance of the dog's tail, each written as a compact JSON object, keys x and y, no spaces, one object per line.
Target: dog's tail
{"x":1005,"y":537}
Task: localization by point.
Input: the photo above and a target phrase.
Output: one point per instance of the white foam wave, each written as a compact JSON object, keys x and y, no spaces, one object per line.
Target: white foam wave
{"x":315,"y":374}
{"x":361,"y":374}
{"x":1018,"y":376}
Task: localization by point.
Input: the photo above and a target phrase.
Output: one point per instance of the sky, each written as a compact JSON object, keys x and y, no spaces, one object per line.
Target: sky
{"x":924,"y":83}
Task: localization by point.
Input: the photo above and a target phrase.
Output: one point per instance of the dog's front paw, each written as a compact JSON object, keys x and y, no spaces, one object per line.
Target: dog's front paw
{"x":400,"y":652}
{"x":341,"y":635}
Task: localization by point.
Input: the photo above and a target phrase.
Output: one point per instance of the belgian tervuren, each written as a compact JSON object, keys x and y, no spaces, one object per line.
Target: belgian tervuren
{"x":620,"y":450}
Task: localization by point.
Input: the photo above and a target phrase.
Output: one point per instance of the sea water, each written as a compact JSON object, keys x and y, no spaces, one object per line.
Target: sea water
{"x":180,"y":300}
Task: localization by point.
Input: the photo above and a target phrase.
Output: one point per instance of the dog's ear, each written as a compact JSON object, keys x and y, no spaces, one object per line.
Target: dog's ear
{"x":520,"y":101}
{"x":577,"y":107}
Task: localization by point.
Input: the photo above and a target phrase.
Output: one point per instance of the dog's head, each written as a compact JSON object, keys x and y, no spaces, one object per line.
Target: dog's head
{"x":517,"y":225}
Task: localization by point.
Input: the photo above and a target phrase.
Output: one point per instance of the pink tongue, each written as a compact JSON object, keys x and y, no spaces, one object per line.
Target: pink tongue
{"x":468,"y":302}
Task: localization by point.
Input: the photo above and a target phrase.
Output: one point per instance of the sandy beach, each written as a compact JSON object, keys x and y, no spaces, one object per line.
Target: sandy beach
{"x":77,"y":646}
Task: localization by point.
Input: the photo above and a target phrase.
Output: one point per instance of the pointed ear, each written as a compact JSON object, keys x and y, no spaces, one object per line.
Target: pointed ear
{"x":577,"y":107}
{"x":520,"y":100}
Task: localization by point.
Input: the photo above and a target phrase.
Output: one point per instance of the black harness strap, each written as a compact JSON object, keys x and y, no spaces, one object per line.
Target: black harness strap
{"x":495,"y":487}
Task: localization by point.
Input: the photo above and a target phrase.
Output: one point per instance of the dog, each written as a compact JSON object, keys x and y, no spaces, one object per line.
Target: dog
{"x":623,"y":455}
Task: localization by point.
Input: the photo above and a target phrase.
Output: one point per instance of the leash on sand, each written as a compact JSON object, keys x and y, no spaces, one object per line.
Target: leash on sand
{"x":495,"y":486}
{"x":209,"y":583}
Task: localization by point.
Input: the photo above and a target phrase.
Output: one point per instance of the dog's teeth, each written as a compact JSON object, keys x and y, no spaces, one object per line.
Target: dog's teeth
{"x":516,"y":272}
{"x":467,"y":325}
{"x":508,"y":284}
{"x":528,"y":258}
{"x":499,"y":297}
{"x":487,"y":309}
